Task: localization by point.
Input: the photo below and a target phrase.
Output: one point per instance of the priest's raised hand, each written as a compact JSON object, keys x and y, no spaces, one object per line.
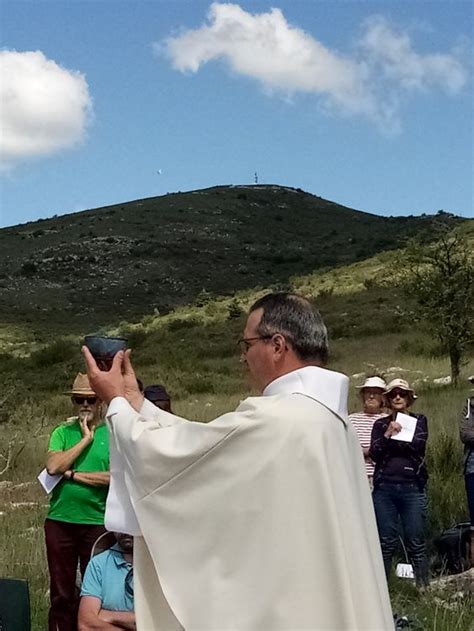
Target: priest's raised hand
{"x":119,"y":381}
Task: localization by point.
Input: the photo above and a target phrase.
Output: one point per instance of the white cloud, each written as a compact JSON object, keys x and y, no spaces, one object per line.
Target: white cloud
{"x":282,"y":58}
{"x":393,"y":52}
{"x":265,"y":47}
{"x":44,"y":107}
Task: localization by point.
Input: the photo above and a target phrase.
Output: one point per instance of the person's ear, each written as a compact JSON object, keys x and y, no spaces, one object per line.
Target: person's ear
{"x":279,"y":344}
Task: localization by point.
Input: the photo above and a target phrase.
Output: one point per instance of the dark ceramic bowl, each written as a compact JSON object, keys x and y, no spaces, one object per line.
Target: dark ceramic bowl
{"x":102,"y":347}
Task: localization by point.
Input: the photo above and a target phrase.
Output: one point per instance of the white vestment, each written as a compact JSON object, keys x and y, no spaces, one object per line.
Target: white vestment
{"x":260,"y":520}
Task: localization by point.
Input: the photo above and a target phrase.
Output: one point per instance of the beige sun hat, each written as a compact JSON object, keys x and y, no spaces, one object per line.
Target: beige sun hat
{"x":401,"y":384}
{"x":373,"y":382}
{"x":82,"y":386}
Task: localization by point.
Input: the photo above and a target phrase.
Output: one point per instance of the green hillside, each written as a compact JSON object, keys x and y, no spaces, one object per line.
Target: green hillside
{"x":100,"y":266}
{"x":192,"y":350}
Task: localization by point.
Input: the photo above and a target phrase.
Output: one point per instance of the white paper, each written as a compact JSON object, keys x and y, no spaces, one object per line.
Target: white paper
{"x":404,"y":570}
{"x":408,"y":424}
{"x":48,"y":482}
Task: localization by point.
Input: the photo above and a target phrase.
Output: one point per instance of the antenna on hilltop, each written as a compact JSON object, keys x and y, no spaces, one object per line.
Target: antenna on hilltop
{"x":256,"y":177}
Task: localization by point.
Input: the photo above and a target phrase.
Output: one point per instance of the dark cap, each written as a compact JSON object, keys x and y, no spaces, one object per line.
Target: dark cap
{"x":156,"y":392}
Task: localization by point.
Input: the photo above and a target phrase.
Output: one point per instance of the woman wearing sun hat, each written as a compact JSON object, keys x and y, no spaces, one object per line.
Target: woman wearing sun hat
{"x":79,"y":452}
{"x":371,"y":393}
{"x":400,"y":481}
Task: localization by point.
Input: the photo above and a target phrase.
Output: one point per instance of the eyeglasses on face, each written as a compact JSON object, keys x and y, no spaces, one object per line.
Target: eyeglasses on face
{"x":82,"y":400}
{"x":245,"y":343}
{"x":398,"y":393}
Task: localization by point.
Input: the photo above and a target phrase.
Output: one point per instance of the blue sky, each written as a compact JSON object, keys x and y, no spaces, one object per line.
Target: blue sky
{"x":368,"y":104}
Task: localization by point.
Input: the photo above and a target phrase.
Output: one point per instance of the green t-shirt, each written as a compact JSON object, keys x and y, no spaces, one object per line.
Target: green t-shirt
{"x":72,"y":501}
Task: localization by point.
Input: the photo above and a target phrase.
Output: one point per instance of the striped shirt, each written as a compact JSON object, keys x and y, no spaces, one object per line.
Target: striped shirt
{"x":363,"y":423}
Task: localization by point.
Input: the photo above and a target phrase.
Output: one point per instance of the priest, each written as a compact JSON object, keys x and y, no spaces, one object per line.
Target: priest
{"x":260,"y":520}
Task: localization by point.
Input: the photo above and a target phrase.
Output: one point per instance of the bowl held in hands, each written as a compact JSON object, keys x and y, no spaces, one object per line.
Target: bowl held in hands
{"x":103,"y":349}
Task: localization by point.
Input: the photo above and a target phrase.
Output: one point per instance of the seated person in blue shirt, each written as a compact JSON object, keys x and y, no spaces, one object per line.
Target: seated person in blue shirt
{"x":107,"y":589}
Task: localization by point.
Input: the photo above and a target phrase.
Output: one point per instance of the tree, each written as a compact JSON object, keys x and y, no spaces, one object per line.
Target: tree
{"x":439,"y":276}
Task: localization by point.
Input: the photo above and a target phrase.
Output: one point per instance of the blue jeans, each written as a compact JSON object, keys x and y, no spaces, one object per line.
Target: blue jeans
{"x":407,"y":503}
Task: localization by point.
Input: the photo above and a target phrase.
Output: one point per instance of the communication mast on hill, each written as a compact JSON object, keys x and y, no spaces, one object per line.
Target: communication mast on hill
{"x":256,"y":177}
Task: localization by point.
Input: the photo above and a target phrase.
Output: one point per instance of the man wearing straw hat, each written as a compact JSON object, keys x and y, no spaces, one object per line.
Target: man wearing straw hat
{"x":79,"y":452}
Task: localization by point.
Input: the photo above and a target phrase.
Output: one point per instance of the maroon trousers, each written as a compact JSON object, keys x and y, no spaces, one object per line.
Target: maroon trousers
{"x":66,"y":545}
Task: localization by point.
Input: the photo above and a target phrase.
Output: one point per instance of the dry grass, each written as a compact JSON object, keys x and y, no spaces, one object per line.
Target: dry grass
{"x":193,"y":352}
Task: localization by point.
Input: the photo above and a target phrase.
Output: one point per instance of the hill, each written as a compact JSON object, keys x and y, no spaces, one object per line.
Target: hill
{"x":96,"y":267}
{"x":193,"y":351}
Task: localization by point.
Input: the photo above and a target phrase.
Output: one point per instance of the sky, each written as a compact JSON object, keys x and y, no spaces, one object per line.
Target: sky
{"x":366,"y":103}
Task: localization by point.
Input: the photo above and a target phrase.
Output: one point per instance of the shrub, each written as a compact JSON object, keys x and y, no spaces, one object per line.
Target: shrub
{"x":182,"y":323}
{"x":420,"y":347}
{"x":211,"y":309}
{"x":445,"y":455}
{"x":135,"y":337}
{"x":370,"y":283}
{"x":325,"y":292}
{"x":234,"y":310}
{"x":55,"y":353}
{"x":199,"y":384}
{"x":28,"y":269}
{"x":202,"y":298}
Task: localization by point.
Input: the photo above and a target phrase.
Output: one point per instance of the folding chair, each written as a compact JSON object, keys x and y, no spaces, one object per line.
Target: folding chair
{"x":102,"y":543}
{"x":14,"y":605}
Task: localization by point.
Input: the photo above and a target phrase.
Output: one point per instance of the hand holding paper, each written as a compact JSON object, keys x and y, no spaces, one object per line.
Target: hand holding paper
{"x":408,"y":424}
{"x":48,"y":482}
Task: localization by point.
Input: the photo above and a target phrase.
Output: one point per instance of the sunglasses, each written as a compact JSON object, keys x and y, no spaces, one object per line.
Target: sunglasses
{"x":398,"y":393}
{"x":82,"y":400}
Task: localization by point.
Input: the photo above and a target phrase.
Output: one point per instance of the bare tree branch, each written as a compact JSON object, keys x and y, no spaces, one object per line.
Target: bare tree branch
{"x":12,"y":453}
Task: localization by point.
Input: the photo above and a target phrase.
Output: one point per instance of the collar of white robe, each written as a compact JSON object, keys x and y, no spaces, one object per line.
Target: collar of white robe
{"x":326,"y":386}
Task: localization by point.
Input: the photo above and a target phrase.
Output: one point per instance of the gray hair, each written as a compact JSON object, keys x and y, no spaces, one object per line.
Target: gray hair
{"x":298,"y":321}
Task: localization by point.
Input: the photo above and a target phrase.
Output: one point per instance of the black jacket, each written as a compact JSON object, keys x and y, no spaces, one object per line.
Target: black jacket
{"x":398,"y":461}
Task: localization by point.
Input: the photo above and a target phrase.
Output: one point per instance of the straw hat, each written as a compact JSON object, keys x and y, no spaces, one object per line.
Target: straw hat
{"x":373,"y":382}
{"x":82,"y":386}
{"x":401,"y":384}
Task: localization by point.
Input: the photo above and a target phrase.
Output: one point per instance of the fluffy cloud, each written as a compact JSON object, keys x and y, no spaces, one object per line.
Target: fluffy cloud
{"x":44,"y":107}
{"x":285,"y":59}
{"x":281,"y":57}
{"x":393,"y":52}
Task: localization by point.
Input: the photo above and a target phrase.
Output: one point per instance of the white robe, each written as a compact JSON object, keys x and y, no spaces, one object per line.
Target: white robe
{"x":260,"y":520}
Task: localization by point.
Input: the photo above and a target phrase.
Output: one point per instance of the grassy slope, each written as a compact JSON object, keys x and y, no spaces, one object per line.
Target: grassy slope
{"x":192,"y":350}
{"x":123,"y":261}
